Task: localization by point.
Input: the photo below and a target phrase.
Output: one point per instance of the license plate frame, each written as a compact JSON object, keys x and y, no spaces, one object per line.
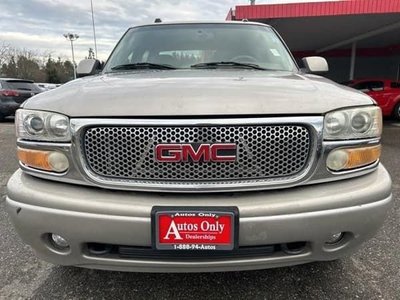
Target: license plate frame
{"x":220,"y":213}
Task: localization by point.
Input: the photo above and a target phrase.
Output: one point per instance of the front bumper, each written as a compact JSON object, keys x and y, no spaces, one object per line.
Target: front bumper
{"x":311,"y":214}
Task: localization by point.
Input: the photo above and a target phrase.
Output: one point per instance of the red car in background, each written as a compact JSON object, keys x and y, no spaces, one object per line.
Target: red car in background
{"x":385,"y":92}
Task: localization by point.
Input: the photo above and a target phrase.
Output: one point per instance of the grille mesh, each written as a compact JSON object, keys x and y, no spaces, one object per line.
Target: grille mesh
{"x":263,"y":151}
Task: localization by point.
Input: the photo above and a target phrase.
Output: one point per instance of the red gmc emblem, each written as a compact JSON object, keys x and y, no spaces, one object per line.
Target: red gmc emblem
{"x":196,"y":152}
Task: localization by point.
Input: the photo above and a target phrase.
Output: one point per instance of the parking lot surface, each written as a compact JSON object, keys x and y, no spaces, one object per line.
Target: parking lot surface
{"x":371,"y":273}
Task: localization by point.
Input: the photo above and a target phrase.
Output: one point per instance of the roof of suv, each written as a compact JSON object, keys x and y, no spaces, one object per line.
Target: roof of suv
{"x":202,"y":22}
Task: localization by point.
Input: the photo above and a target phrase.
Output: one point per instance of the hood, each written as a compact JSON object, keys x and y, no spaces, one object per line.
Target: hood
{"x":218,"y":92}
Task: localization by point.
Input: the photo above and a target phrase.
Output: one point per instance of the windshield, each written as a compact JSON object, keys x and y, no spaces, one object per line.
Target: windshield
{"x":188,"y":45}
{"x":22,"y":85}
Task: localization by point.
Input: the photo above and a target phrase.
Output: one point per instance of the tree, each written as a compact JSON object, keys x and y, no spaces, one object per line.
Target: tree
{"x":51,"y":71}
{"x":68,"y":71}
{"x":4,"y":53}
{"x":28,"y":67}
{"x":59,"y":71}
{"x":10,"y":69}
{"x":28,"y":64}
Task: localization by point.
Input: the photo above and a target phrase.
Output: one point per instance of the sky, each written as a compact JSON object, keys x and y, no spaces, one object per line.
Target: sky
{"x":39,"y":25}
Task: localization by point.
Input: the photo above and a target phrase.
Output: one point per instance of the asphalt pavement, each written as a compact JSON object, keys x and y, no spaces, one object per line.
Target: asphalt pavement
{"x":371,"y":273}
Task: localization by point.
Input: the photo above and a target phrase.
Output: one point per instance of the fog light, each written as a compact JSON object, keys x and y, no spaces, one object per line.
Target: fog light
{"x":59,"y":241}
{"x":337,"y":160}
{"x":58,"y":162}
{"x":335,"y":238}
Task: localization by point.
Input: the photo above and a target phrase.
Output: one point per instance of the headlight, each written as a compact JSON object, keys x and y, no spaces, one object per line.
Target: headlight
{"x":42,"y":126}
{"x":355,"y":123}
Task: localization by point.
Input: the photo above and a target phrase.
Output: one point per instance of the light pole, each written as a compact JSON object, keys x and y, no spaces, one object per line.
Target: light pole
{"x":94,"y":28}
{"x":72,"y":37}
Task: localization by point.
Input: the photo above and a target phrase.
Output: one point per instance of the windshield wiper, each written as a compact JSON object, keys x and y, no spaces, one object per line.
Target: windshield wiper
{"x":143,"y":65}
{"x":227,"y":63}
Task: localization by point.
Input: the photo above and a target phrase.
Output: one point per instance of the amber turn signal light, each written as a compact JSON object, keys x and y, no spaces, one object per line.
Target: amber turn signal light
{"x":345,"y":159}
{"x":51,"y":161}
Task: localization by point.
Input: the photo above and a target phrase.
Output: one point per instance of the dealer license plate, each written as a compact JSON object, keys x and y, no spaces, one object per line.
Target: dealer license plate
{"x":175,"y":228}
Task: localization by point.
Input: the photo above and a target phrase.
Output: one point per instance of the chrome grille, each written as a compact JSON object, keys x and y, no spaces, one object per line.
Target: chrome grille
{"x":263,"y":152}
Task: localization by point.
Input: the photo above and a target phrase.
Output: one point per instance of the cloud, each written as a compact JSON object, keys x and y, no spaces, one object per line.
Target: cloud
{"x":39,"y":24}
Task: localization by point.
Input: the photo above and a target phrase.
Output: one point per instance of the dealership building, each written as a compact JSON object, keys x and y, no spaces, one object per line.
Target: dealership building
{"x":359,"y":38}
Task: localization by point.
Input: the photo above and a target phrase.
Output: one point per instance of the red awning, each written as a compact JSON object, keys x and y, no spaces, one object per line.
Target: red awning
{"x":314,"y":9}
{"x":323,"y":26}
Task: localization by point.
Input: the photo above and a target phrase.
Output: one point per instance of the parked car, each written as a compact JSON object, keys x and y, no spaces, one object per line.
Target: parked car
{"x":47,"y":86}
{"x":42,"y":87}
{"x":13,"y":92}
{"x":384,"y":91}
{"x":199,"y":147}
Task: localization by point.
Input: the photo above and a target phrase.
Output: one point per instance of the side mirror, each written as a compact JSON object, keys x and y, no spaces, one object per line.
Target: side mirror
{"x":88,"y":67}
{"x":315,"y":64}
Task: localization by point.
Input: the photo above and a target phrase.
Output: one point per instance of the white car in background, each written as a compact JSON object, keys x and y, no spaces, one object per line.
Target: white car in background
{"x":47,"y":86}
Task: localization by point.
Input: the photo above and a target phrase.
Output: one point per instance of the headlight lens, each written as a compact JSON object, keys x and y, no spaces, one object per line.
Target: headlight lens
{"x":33,"y":124}
{"x":336,"y":122}
{"x":42,"y":126}
{"x":356,"y":123}
{"x":59,"y":125}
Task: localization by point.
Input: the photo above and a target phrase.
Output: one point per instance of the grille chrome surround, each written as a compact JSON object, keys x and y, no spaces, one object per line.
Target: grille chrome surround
{"x":263,"y":152}
{"x":312,"y":124}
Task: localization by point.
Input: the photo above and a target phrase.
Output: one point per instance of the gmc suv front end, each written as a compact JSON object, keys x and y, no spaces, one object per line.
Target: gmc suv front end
{"x":199,"y":147}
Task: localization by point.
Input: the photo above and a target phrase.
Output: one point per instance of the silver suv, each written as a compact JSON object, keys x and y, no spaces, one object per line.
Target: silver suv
{"x":198,"y":147}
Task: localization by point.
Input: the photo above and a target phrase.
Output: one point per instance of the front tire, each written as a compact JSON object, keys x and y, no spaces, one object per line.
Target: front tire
{"x":396,"y":112}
